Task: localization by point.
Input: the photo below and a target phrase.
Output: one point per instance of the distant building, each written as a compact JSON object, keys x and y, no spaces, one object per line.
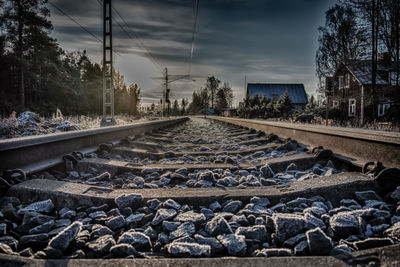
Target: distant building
{"x":352,"y":89}
{"x":296,"y":92}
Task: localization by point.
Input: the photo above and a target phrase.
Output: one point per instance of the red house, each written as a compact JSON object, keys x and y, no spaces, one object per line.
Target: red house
{"x":352,"y":90}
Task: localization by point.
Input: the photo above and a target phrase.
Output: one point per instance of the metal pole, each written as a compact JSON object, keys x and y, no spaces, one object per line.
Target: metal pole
{"x":108,"y":84}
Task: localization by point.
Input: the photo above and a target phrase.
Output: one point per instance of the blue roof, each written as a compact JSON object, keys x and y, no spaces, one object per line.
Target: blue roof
{"x":296,"y":92}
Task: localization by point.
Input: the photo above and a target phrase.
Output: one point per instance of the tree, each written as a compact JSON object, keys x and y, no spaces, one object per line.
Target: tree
{"x":184,"y":104}
{"x":24,"y":19}
{"x":221,"y":101}
{"x":228,"y":93}
{"x":311,"y":106}
{"x":339,"y":40}
{"x":175,"y":108}
{"x":212,"y":87}
{"x":283,"y":106}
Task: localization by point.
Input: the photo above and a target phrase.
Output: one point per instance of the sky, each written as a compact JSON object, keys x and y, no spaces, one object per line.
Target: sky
{"x":272,"y":41}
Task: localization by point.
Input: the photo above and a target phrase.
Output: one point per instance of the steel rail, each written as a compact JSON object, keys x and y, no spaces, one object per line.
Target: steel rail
{"x":357,"y":146}
{"x":36,"y":153}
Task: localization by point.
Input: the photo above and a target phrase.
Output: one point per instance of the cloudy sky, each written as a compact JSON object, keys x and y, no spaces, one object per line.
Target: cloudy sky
{"x":264,"y":40}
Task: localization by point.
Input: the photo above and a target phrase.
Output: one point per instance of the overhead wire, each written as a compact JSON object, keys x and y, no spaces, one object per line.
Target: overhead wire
{"x":196,"y":12}
{"x":138,"y":42}
{"x":80,"y":25}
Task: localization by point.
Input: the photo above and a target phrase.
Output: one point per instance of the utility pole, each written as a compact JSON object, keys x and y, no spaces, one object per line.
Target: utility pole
{"x":108,"y":84}
{"x":165,"y":101}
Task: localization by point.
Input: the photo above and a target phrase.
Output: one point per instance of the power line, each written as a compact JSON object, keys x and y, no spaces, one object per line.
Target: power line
{"x":193,"y":33}
{"x":80,"y":25}
{"x":138,"y":42}
{"x":76,"y":22}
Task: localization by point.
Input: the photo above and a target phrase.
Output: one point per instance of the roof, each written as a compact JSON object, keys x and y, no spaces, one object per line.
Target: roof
{"x":296,"y":92}
{"x":362,"y":70}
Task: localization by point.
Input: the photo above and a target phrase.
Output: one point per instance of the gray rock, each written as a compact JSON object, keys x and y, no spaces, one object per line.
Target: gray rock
{"x":65,"y":213}
{"x":218,"y":226}
{"x":98,"y":215}
{"x":395,"y":195}
{"x":43,"y":228}
{"x":32,"y":218}
{"x":40,"y":206}
{"x":102,"y":245}
{"x":33,"y":240}
{"x":135,"y":218}
{"x":162,"y":215}
{"x":207,"y":213}
{"x":344,"y":224}
{"x":287,"y":225}
{"x":233,"y":206}
{"x":171,"y":204}
{"x":367,"y":195}
{"x":28,"y":252}
{"x":138,"y":240}
{"x":185,"y":229}
{"x":273,"y":252}
{"x":170,"y":226}
{"x":5,"y":249}
{"x":103,"y":207}
{"x":3,"y":229}
{"x":65,"y":237}
{"x":10,"y":241}
{"x":301,"y":249}
{"x":372,"y":243}
{"x":341,"y":250}
{"x":313,"y":222}
{"x":318,"y":242}
{"x":129,"y":200}
{"x":260,"y":201}
{"x":123,"y":250}
{"x":215,"y":206}
{"x":154,"y":204}
{"x":191,"y":216}
{"x":216,"y":246}
{"x":293,"y":241}
{"x":180,"y":249}
{"x":393,"y":232}
{"x":116,"y":222}
{"x":62,"y":223}
{"x":257,"y":232}
{"x":234,"y":244}
{"x":100,"y":230}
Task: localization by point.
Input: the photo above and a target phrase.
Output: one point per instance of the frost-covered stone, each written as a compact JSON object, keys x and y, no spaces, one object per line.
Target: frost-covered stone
{"x":273,"y":252}
{"x":218,"y":226}
{"x":101,"y":245}
{"x":128,"y":200}
{"x":191,"y":216}
{"x":393,"y":232}
{"x":288,"y":225}
{"x":367,"y":195}
{"x":171,"y":204}
{"x":233,"y":206}
{"x":181,"y":249}
{"x":234,"y":244}
{"x":216,"y":246}
{"x":163,"y":215}
{"x":344,"y":224}
{"x":40,"y":206}
{"x":65,"y":237}
{"x":257,"y":232}
{"x":123,"y":250}
{"x":116,"y":222}
{"x":318,"y":242}
{"x":139,"y":240}
{"x":185,"y":229}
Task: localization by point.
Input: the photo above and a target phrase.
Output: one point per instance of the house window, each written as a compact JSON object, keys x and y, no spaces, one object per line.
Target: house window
{"x":335,"y":104}
{"x":347,"y":81}
{"x":352,"y":107}
{"x":393,"y":78}
{"x":382,"y":108}
{"x":340,"y":82}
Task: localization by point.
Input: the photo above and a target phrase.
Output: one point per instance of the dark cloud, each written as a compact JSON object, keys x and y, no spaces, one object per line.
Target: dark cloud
{"x":267,"y":40}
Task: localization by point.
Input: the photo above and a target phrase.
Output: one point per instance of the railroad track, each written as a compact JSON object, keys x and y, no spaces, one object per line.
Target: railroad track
{"x":197,"y":188}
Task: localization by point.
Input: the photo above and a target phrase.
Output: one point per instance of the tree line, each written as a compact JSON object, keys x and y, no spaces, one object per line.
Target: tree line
{"x":37,"y":74}
{"x":213,"y":96}
{"x":264,"y":107}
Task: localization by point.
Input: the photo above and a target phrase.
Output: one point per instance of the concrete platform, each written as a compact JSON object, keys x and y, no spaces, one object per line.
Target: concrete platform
{"x":334,"y":188}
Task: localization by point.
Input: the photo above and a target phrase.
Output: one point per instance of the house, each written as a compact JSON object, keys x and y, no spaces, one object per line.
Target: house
{"x":352,"y":89}
{"x":296,"y":92}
